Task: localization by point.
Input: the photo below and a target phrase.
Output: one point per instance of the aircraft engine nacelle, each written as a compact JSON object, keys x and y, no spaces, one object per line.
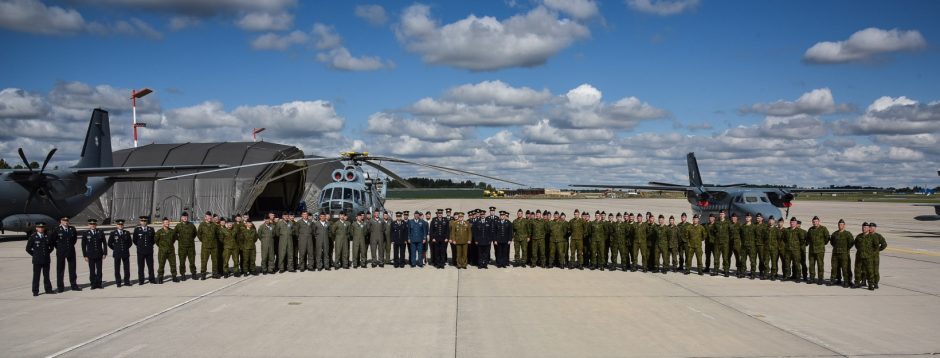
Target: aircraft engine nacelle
{"x":703,"y":199}
{"x":339,"y":175}
{"x":26,"y":222}
{"x":351,"y":175}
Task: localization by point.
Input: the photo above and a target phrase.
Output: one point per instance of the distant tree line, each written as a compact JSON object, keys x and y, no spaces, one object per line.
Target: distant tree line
{"x":440,"y":184}
{"x":5,"y":165}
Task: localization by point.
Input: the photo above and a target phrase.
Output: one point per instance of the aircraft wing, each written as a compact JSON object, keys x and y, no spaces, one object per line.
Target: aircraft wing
{"x":636,"y":187}
{"x":833,"y":190}
{"x":115,"y":171}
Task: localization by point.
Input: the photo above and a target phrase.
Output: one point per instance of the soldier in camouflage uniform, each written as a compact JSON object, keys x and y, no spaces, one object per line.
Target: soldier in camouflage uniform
{"x":538,"y":229}
{"x":185,"y":233}
{"x":841,"y":241}
{"x":865,"y":250}
{"x":247,"y":248}
{"x":579,"y":228}
{"x":520,"y":240}
{"x":771,"y":249}
{"x":697,"y":234}
{"x":639,"y":250}
{"x":673,"y":244}
{"x":598,"y":241}
{"x":749,"y":247}
{"x":661,"y":245}
{"x":879,"y":244}
{"x":618,"y":249}
{"x":794,"y":243}
{"x":760,"y":232}
{"x":684,"y":242}
{"x":229,"y":249}
{"x":736,"y":247}
{"x":166,"y":238}
{"x":558,"y":233}
{"x":711,"y":231}
{"x":722,"y":231}
{"x":208,"y":235}
{"x":817,"y":237}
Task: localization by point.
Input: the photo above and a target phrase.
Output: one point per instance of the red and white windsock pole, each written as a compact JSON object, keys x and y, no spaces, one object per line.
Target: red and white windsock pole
{"x":135,"y":94}
{"x":254,"y":133}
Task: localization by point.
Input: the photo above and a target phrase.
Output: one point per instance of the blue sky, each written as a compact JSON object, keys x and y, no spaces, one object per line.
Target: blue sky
{"x":697,"y":75}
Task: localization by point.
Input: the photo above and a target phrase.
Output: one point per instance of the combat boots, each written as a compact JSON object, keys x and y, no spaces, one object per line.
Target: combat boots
{"x":160,"y":280}
{"x":175,"y":279}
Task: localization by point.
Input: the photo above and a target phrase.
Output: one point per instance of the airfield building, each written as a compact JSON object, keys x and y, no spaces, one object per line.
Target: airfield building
{"x":255,"y":190}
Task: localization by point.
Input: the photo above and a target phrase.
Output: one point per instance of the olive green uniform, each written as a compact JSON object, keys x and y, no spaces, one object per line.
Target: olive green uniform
{"x":771,"y":251}
{"x":460,"y":235}
{"x":268,"y":258}
{"x":618,"y":248}
{"x":520,"y":244}
{"x":683,"y":248}
{"x":303,"y":230}
{"x":208,"y":235}
{"x":640,"y":251}
{"x":749,"y":248}
{"x":558,"y":250}
{"x":539,"y":229}
{"x":794,"y":243}
{"x":229,"y":250}
{"x":186,"y":236}
{"x":165,"y":239}
{"x":760,"y":239}
{"x":736,"y":248}
{"x":248,"y":251}
{"x":340,"y":232}
{"x":879,"y":243}
{"x":598,"y":243}
{"x":284,"y":231}
{"x":839,"y":261}
{"x":721,"y":232}
{"x":696,"y":235}
{"x":817,"y":238}
{"x":864,"y":260}
{"x":360,"y":229}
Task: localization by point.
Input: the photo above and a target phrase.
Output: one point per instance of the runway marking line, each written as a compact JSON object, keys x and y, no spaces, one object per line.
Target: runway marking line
{"x":913,"y":251}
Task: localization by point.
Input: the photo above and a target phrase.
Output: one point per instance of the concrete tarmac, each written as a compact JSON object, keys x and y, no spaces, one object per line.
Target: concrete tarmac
{"x":515,"y":312}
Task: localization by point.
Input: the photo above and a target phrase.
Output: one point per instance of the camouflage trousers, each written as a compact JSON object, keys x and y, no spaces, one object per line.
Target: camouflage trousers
{"x":735,"y":250}
{"x":618,"y":253}
{"x":164,"y":256}
{"x":210,"y":254}
{"x":247,"y":261}
{"x":840,"y":267}
{"x":750,"y":255}
{"x":598,"y":252}
{"x":187,"y":253}
{"x":693,"y":250}
{"x":791,"y":264}
{"x":770,"y":261}
{"x":577,"y":251}
{"x":816,"y":263}
{"x":864,"y":270}
{"x":538,"y":252}
{"x":557,"y":253}
{"x":709,"y":254}
{"x":722,"y":252}
{"x":660,"y":255}
{"x":639,"y":253}
{"x":230,"y":254}
{"x":520,"y":252}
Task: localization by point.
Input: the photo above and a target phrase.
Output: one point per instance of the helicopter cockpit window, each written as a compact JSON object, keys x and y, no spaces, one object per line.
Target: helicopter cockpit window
{"x":347,"y":194}
{"x":751,"y":199}
{"x":358,"y":196}
{"x":337,"y":193}
{"x":326,"y":194}
{"x":764,"y":199}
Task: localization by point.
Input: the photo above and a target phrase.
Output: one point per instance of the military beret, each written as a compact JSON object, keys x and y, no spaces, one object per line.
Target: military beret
{"x":361,"y":213}
{"x":92,"y":221}
{"x":184,"y":214}
{"x":872,"y":224}
{"x":492,"y":208}
{"x":631,"y":214}
{"x":793,"y":219}
{"x":240,"y":215}
{"x":747,"y":215}
{"x":683,"y":214}
{"x":562,"y":214}
{"x":64,"y":218}
{"x":672,"y":217}
{"x":342,"y":212}
{"x":841,"y":221}
{"x":603,"y":213}
{"x":527,"y":212}
{"x":459,"y":213}
{"x":427,"y":213}
{"x":539,"y":211}
{"x":649,"y":213}
{"x":577,"y":211}
{"x":815,"y":218}
{"x":119,"y":221}
{"x":165,"y":219}
{"x":661,"y":216}
{"x":597,"y":212}
{"x":586,"y":214}
{"x":695,"y":216}
{"x":711,"y":215}
{"x":760,"y":215}
{"x":799,"y":222}
{"x":619,"y":215}
{"x":734,"y":215}
{"x":40,"y":225}
{"x":210,"y":213}
{"x":865,"y":224}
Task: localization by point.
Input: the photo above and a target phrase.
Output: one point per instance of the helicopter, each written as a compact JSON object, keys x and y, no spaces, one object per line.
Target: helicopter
{"x":354,"y":189}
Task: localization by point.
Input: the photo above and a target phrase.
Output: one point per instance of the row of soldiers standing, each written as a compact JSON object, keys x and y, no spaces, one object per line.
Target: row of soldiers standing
{"x":630,"y":242}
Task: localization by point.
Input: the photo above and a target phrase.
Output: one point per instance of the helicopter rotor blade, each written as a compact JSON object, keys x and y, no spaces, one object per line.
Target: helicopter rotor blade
{"x":390,"y":173}
{"x":46,"y":162}
{"x":23,"y":157}
{"x":442,"y":168}
{"x":316,"y":161}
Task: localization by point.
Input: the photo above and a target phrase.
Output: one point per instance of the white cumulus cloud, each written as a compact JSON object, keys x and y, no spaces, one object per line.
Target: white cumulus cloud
{"x":865,"y":45}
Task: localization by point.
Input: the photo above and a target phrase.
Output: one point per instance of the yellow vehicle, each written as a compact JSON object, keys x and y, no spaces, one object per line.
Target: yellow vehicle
{"x":494,"y":193}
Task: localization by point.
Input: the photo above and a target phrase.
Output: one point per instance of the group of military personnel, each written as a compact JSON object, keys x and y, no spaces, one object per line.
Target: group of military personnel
{"x":611,"y":241}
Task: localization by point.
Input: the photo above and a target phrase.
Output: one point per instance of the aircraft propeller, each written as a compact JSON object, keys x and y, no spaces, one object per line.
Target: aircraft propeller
{"x":36,"y":182}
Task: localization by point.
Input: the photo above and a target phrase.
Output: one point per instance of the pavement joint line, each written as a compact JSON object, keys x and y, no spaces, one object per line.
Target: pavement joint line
{"x":913,"y":251}
{"x":838,"y":354}
{"x":456,"y":312}
{"x":142,"y":320}
{"x":912,"y":290}
{"x":912,"y":259}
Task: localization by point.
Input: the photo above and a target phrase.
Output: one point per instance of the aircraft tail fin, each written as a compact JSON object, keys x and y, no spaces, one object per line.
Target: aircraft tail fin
{"x":695,"y":177}
{"x":96,"y":152}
